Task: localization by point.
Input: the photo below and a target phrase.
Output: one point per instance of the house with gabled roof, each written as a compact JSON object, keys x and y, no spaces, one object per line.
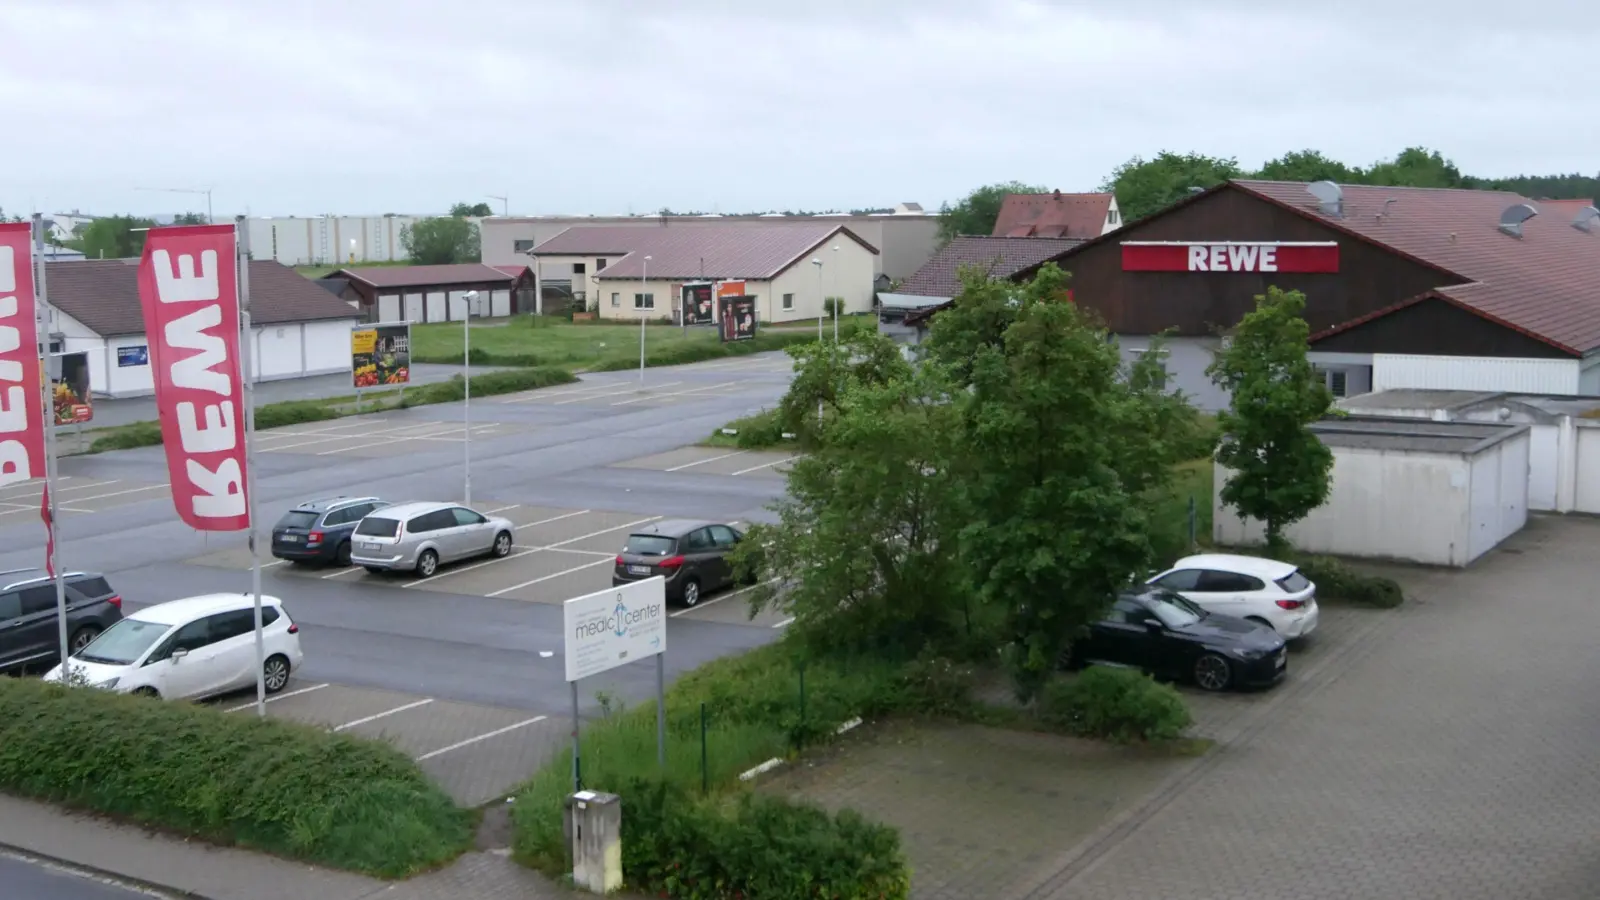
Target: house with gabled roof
{"x":939,"y":279}
{"x":1057,"y":215}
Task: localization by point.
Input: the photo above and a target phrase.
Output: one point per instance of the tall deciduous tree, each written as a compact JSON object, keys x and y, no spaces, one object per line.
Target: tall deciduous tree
{"x":1144,"y":186}
{"x":441,"y":240}
{"x":1310,"y":165}
{"x":112,"y":237}
{"x":1416,"y":167}
{"x":189,"y":218}
{"x":1281,"y":471}
{"x":979,"y":316}
{"x":480,"y":210}
{"x":825,"y":371}
{"x":979,"y":210}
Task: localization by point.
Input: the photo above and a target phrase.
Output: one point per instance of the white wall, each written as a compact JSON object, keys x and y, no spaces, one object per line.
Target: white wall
{"x":325,"y":240}
{"x":847,"y":272}
{"x":1589,"y":377}
{"x":661,"y":291}
{"x":1475,"y":373}
{"x":1585,"y":466}
{"x":327,"y":346}
{"x":1186,"y":360}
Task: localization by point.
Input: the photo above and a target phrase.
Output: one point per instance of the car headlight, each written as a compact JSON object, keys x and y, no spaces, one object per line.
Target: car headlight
{"x":1249,"y":653}
{"x":109,"y":683}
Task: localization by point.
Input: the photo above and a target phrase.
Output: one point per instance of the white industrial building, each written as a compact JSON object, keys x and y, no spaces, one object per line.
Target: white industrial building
{"x":1438,"y":493}
{"x":330,"y":240}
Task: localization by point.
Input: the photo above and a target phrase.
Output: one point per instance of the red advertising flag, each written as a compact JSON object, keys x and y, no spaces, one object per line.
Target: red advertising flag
{"x":21,"y":378}
{"x":1198,"y":256}
{"x":189,"y":291}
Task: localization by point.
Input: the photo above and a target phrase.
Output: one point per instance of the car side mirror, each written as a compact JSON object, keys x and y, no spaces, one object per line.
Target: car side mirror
{"x":178,"y":654}
{"x":1153,"y":625}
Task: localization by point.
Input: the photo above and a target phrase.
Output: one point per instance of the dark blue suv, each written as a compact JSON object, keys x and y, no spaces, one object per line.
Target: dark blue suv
{"x":318,"y":531}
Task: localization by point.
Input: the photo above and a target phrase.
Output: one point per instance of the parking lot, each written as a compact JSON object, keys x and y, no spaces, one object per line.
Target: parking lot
{"x":76,"y":496}
{"x":559,"y":554}
{"x":476,"y":753}
{"x":715,"y":461}
{"x":624,"y":392}
{"x":375,"y":437}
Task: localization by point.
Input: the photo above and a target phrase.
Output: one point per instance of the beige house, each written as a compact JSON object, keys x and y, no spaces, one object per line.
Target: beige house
{"x":628,"y":272}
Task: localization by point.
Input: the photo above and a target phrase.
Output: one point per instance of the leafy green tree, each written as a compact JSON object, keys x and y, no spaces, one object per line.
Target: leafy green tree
{"x":1054,"y":468}
{"x":1281,"y":471}
{"x":825,"y":371}
{"x":979,"y":316}
{"x":1416,"y":167}
{"x":461,"y":210}
{"x":978,"y":211}
{"x":1310,"y":165}
{"x":1144,"y":186}
{"x":190,"y":218}
{"x":441,"y":240}
{"x":112,"y":237}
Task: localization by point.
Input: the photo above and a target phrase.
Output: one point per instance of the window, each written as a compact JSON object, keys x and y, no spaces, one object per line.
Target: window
{"x":723,"y":536}
{"x":600,"y":264}
{"x":698,"y":541}
{"x":1126,"y":612}
{"x":192,"y":636}
{"x":1114,"y":217}
{"x":1180,"y":580}
{"x":38,"y":599}
{"x":1337,"y":382}
{"x":434,"y":521}
{"x":95,"y":588}
{"x":467,"y":517}
{"x":373,"y":526}
{"x":124,"y":642}
{"x":578,"y":269}
{"x":644,"y":301}
{"x":1173,"y":610}
{"x":788,"y":301}
{"x":649,"y":545}
{"x":1213,"y":582}
{"x":516,"y":246}
{"x":339,"y":517}
{"x":10,"y":607}
{"x":1294,"y":582}
{"x":234,"y":624}
{"x":616,"y":299}
{"x":297,"y":519}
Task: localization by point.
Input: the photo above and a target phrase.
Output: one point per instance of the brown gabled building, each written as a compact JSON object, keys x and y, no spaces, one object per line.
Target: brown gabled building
{"x":939,"y":279}
{"x":435,"y":293}
{"x":1057,"y":215}
{"x":1405,"y":287}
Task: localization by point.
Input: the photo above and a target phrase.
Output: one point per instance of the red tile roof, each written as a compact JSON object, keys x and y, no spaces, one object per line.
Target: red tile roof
{"x":1002,"y":257}
{"x":1056,"y":215}
{"x":513,"y":271}
{"x":1545,"y":284}
{"x":424,"y":276}
{"x":758,"y":252}
{"x":103,"y":294}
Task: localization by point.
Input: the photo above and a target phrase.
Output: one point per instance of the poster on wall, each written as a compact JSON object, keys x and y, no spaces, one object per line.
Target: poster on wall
{"x":69,"y":388}
{"x":380,"y":355}
{"x":133,"y":356}
{"x":697,"y":301}
{"x":738,"y":318}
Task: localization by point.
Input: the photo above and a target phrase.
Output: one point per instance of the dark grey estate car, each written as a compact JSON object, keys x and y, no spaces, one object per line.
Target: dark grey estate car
{"x":318,"y":531}
{"x":29,"y":632}
{"x":691,"y":554}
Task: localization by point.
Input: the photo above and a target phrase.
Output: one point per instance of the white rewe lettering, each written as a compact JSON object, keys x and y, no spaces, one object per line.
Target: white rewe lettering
{"x":8,"y":272}
{"x":1242,"y":257}
{"x":10,"y":337}
{"x":1219,"y":258}
{"x":1197,"y":257}
{"x":1269,"y":259}
{"x":195,"y":372}
{"x":221,"y":492}
{"x":187,"y":285}
{"x":13,"y":456}
{"x":217,"y":434}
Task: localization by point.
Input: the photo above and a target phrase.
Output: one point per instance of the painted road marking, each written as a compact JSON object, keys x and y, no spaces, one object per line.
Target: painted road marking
{"x":598,"y":562}
{"x":697,"y":390}
{"x":482,"y":737}
{"x":630,"y":390}
{"x":728,"y":596}
{"x":704,"y":461}
{"x":388,"y":712}
{"x":304,"y":690}
{"x":776,"y":462}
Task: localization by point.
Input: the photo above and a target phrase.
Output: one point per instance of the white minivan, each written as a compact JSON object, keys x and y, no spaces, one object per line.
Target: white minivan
{"x":191,"y":648}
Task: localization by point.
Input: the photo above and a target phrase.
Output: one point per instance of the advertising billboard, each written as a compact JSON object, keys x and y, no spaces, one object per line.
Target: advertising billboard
{"x":69,"y":388}
{"x":738,"y":315}
{"x":615,"y":627}
{"x":380,"y":355}
{"x":698,"y":305}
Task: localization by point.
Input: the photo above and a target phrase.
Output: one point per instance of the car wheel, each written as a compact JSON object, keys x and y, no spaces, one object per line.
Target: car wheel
{"x":376,"y":570}
{"x":147,"y":692}
{"x":502,"y":544}
{"x":342,"y":555}
{"x":1212,"y":672}
{"x":82,"y":638}
{"x":691,"y":592}
{"x":1260,"y":621}
{"x":427,"y":563}
{"x":275,"y":673}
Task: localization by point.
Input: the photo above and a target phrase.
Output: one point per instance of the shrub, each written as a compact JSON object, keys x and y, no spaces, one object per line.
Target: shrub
{"x":128,"y":437}
{"x":754,"y":846}
{"x":294,"y":412}
{"x":1115,"y":704}
{"x":291,"y":790}
{"x":1338,"y":581}
{"x":938,"y":686}
{"x":508,"y":381}
{"x":754,"y":432}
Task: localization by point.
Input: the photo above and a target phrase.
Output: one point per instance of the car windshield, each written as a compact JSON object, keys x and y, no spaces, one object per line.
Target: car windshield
{"x":298,"y":519}
{"x":123,"y":643}
{"x":1173,"y":610}
{"x":649,"y":545}
{"x":1294,"y":582}
{"x":375,"y":526}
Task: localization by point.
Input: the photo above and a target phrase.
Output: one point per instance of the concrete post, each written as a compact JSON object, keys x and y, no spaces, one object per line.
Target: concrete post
{"x":596,"y":841}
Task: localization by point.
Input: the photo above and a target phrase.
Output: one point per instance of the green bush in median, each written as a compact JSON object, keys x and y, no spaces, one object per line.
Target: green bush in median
{"x":1337,"y":581}
{"x":1114,"y":704}
{"x":291,"y":790}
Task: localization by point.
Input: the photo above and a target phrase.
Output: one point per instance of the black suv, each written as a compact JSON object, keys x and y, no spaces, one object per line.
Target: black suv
{"x":318,"y":531}
{"x":29,"y":633}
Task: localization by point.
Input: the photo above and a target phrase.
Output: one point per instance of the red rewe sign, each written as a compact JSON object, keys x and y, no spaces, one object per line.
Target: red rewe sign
{"x":188,"y":288}
{"x":21,"y":381}
{"x":1185,"y":256}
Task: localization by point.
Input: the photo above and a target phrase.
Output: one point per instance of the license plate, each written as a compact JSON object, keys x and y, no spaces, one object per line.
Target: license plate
{"x":368,"y":545}
{"x":639,"y":570}
{"x":291,"y":539}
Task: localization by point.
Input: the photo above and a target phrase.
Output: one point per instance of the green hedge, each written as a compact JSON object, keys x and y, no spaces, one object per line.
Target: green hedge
{"x":1337,"y":581}
{"x":291,"y":790}
{"x":509,"y":381}
{"x":754,"y":432}
{"x":1114,"y":704}
{"x":680,"y":354}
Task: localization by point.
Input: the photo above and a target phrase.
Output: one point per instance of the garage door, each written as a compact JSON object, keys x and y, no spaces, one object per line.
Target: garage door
{"x":458,"y":306}
{"x":389,"y":309}
{"x":435,"y":308}
{"x":500,"y":304}
{"x":413,"y":307}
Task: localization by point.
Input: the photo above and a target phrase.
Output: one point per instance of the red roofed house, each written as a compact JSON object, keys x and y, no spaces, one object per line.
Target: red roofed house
{"x":1405,"y":287}
{"x":633,"y":272}
{"x":1057,"y":215}
{"x":436,"y":293}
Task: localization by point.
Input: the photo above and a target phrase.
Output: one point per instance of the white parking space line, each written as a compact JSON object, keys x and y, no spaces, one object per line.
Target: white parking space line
{"x":490,"y":512}
{"x":589,"y":565}
{"x":710,"y":387}
{"x":579,"y":552}
{"x":784,"y":624}
{"x":276,"y":562}
{"x":776,"y":462}
{"x":584,"y":537}
{"x":391,"y":438}
{"x":555,"y":518}
{"x":477,"y":565}
{"x":349,"y":571}
{"x":388,"y":712}
{"x":153,"y":487}
{"x":546,"y":393}
{"x":629,"y":390}
{"x":482,"y":737}
{"x":252,"y":703}
{"x":329,"y":435}
{"x":728,"y":596}
{"x":33,"y":492}
{"x":701,"y":462}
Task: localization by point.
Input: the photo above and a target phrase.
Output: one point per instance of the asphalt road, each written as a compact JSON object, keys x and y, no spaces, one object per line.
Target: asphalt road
{"x":27,"y":880}
{"x":554,"y":450}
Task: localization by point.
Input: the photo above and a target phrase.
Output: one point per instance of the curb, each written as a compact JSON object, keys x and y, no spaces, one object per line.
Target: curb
{"x":115,"y":878}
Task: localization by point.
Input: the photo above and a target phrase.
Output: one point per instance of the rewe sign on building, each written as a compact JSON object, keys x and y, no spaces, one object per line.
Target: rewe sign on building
{"x":1320,"y":257}
{"x":188,"y":288}
{"x":21,"y":384}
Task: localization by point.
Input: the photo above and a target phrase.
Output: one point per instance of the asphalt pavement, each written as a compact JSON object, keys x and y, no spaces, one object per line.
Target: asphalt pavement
{"x":29,"y":880}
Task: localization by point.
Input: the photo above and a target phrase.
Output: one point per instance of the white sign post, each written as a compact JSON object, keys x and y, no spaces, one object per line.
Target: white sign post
{"x":612,"y":628}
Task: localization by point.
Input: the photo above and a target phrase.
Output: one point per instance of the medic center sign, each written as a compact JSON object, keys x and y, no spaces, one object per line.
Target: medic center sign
{"x":1320,"y":257}
{"x":612,"y":628}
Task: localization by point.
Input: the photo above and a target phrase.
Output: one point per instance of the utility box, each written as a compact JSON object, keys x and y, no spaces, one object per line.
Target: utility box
{"x":594,"y":823}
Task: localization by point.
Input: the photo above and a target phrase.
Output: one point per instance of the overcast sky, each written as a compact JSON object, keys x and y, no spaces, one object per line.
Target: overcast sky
{"x":609,"y":106}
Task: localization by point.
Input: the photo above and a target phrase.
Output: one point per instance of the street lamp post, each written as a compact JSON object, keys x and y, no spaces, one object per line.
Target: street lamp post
{"x":644,"y":284}
{"x":466,"y":387}
{"x":821,"y":300}
{"x":836,"y":297}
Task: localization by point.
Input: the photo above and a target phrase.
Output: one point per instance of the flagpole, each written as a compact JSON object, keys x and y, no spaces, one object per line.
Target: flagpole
{"x":53,"y":557}
{"x":242,"y":251}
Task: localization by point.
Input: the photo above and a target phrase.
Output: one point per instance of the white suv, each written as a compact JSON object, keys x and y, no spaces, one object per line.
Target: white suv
{"x":1272,"y":593}
{"x":192,"y":648}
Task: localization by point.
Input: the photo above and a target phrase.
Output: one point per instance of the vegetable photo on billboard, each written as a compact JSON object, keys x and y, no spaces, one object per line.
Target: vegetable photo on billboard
{"x":69,"y":388}
{"x":380,"y":355}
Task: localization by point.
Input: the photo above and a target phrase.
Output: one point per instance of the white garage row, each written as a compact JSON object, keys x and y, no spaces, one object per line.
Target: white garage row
{"x":438,"y":293}
{"x":1439,"y":493}
{"x":300,"y":328}
{"x":439,"y":306}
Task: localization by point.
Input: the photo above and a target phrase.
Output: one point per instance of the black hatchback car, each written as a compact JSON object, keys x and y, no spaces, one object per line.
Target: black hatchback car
{"x":691,"y":555}
{"x":1160,"y":632}
{"x":318,"y":531}
{"x":30,"y":635}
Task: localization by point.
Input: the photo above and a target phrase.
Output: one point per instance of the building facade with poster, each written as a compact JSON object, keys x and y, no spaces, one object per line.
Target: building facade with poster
{"x":1405,"y":287}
